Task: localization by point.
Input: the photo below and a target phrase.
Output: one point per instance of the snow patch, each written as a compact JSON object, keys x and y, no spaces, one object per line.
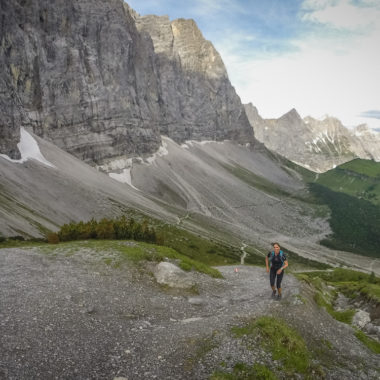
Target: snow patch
{"x":189,"y":143}
{"x":120,"y":170}
{"x":124,"y":177}
{"x":162,"y":151}
{"x":29,"y":149}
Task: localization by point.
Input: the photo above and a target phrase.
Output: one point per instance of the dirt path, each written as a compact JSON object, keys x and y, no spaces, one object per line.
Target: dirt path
{"x":244,"y":253}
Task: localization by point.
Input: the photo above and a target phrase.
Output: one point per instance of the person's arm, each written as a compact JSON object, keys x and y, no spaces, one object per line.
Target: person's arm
{"x":267,"y":263}
{"x":285,"y":265}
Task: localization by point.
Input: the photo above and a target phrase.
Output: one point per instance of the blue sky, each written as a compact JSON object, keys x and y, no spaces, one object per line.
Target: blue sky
{"x":321,"y":57}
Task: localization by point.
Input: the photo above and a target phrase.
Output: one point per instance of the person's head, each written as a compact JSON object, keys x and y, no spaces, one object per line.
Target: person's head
{"x":276,"y":247}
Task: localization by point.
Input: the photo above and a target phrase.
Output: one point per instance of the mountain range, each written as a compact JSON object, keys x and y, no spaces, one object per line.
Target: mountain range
{"x":136,"y":114}
{"x":318,"y":145}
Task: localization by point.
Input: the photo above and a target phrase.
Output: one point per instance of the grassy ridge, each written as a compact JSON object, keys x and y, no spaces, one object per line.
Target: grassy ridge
{"x":355,"y":222}
{"x":358,"y":178}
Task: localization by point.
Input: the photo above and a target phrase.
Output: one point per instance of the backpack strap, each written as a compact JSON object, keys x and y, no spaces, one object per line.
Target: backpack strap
{"x":281,"y":257}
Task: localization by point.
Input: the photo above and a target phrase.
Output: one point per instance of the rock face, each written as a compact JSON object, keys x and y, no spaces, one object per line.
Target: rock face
{"x":83,"y":76}
{"x":315,"y":144}
{"x":199,"y":101}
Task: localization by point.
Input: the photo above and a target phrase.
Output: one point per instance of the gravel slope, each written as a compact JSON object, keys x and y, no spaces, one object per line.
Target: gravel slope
{"x":66,"y":317}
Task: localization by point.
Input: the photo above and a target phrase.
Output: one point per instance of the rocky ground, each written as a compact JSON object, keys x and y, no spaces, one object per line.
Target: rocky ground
{"x":74,"y":317}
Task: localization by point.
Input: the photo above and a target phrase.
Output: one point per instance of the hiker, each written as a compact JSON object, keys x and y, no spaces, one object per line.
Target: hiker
{"x":278,"y":263}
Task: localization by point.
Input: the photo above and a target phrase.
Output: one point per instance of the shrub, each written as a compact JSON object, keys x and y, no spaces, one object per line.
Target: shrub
{"x":120,"y":228}
{"x":52,"y":238}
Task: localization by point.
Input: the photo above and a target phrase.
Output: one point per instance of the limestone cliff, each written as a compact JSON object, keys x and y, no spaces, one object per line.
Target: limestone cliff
{"x":199,"y":101}
{"x":81,"y":74}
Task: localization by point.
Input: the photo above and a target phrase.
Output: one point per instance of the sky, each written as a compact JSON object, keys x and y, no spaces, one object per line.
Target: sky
{"x":321,"y":57}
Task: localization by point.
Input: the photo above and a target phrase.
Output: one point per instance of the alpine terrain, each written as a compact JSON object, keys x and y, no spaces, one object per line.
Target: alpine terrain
{"x":139,"y":198}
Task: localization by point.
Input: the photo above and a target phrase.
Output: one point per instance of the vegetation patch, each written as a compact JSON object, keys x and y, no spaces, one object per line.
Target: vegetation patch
{"x":351,"y":283}
{"x":283,"y":342}
{"x":355,"y":222}
{"x":344,"y":316}
{"x":372,"y":344}
{"x":208,"y":251}
{"x":359,"y":178}
{"x":121,"y":228}
{"x":115,"y":252}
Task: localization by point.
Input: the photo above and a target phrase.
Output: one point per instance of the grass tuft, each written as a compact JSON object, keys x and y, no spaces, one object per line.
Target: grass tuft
{"x":372,"y":344}
{"x":282,"y":341}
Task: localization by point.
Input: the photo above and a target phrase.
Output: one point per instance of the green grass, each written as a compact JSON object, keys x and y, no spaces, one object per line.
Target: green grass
{"x":355,"y":222}
{"x":352,"y":193}
{"x":368,"y":168}
{"x":242,"y":371}
{"x":207,"y":251}
{"x":282,"y":341}
{"x":352,"y":183}
{"x":372,"y":344}
{"x":11,"y":243}
{"x":115,"y":252}
{"x":344,"y":316}
{"x":351,"y":283}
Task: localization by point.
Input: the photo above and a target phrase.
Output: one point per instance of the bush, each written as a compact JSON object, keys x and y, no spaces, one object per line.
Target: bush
{"x":120,"y":228}
{"x":52,"y":238}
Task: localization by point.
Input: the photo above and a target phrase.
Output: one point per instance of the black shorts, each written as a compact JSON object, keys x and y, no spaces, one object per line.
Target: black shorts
{"x":272,"y":277}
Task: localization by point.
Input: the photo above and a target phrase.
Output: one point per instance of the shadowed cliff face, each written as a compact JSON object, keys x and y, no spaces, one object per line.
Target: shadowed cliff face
{"x":82,"y":75}
{"x":188,"y":65}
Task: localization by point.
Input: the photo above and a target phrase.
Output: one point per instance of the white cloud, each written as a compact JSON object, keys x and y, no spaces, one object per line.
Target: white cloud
{"x":331,"y":73}
{"x":342,"y":14}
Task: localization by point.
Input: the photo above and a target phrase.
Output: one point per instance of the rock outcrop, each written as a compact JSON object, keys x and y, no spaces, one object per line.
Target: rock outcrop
{"x":199,"y":101}
{"x":318,"y":145}
{"x":82,"y":75}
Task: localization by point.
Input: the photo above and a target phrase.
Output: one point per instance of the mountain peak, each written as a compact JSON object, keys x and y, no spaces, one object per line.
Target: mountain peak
{"x":292,"y":115}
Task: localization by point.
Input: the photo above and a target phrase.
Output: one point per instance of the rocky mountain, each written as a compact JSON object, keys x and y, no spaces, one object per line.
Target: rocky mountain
{"x":87,"y":76}
{"x":92,"y":82}
{"x":318,"y":145}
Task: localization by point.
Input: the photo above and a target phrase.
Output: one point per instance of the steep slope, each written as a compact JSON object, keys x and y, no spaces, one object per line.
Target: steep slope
{"x":315,"y":144}
{"x":35,"y":197}
{"x":352,"y":191}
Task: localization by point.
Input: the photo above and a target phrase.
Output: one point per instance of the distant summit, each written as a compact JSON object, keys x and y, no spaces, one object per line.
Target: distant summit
{"x":318,"y":145}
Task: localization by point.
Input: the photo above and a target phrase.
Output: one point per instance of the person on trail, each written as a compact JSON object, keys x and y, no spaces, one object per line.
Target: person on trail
{"x":278,"y":263}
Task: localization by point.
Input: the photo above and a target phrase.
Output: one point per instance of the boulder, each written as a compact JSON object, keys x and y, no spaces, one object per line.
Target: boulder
{"x":361,"y":318}
{"x":169,"y":274}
